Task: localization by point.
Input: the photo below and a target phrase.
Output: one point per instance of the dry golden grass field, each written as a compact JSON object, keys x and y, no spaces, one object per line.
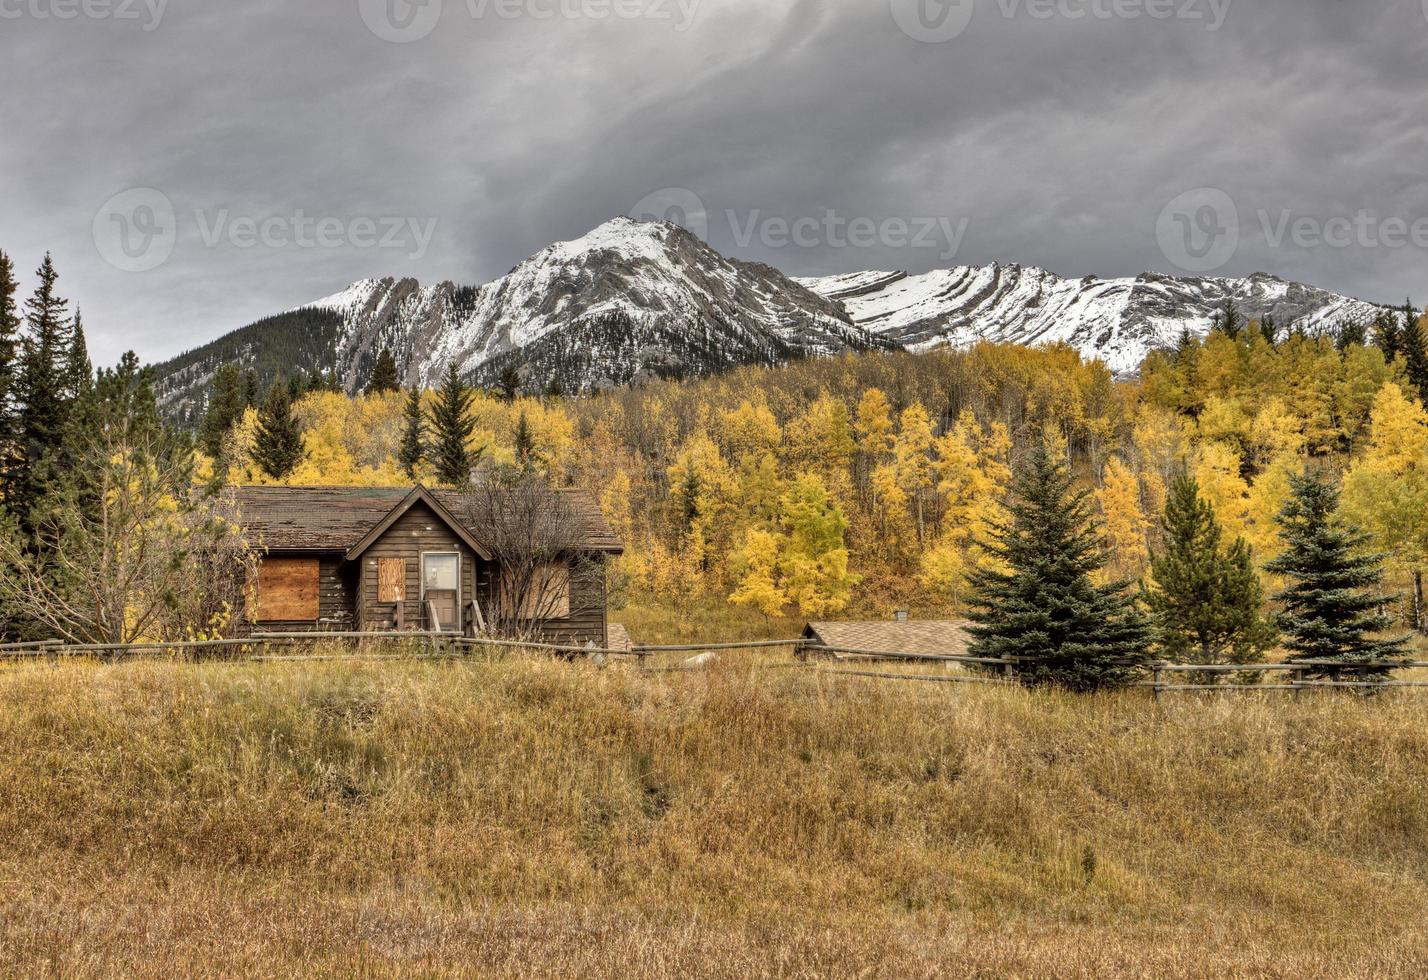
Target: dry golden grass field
{"x":528,"y":818}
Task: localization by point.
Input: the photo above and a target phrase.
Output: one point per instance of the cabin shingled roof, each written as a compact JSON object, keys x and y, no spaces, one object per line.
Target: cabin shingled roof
{"x":946,"y":637}
{"x":334,"y":519}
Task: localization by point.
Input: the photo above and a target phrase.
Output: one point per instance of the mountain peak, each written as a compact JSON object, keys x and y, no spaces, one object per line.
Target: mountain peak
{"x":631,"y":300}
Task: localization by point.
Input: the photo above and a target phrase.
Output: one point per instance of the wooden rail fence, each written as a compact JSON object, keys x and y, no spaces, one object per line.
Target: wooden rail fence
{"x":1163,"y":678}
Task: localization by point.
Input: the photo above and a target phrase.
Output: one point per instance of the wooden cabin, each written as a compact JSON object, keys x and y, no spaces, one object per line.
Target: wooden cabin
{"x":342,"y":559}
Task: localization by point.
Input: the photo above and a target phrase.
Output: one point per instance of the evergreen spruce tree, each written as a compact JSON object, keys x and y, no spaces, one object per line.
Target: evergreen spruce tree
{"x":9,"y":349}
{"x":451,"y":427}
{"x":1205,"y":599}
{"x":250,"y":389}
{"x":1269,"y":329}
{"x":525,"y":443}
{"x":509,"y":383}
{"x":226,"y":403}
{"x":278,"y":447}
{"x":1045,"y":613}
{"x":1388,"y":336}
{"x":385,"y":377}
{"x":413,"y":448}
{"x":1229,"y":322}
{"x":1331,"y":611}
{"x":1414,"y":351}
{"x":1350,"y":334}
{"x":42,"y":389}
{"x":79,"y":370}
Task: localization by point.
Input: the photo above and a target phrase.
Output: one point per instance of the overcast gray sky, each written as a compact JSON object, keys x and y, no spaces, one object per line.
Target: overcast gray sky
{"x":1092,"y":137}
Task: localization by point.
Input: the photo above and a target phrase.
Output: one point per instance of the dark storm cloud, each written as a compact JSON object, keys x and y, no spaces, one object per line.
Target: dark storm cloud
{"x":299,"y":150}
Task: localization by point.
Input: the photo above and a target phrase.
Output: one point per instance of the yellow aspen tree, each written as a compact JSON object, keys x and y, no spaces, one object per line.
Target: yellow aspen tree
{"x":1126,"y":525}
{"x":1386,"y":491}
{"x":748,"y":432}
{"x":912,"y":451}
{"x":820,"y":440}
{"x":889,"y":513}
{"x":873,"y":427}
{"x":1273,"y":433}
{"x":1268,"y":494}
{"x":813,"y":565}
{"x":756,"y":568}
{"x":1217,"y":470}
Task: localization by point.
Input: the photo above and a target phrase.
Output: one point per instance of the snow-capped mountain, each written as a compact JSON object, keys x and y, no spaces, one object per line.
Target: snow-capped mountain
{"x":633,"y":300}
{"x":1118,"y":321}
{"x":630,"y":299}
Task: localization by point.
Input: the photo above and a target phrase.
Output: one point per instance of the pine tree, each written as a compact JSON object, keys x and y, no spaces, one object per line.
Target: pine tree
{"x":525,"y":442}
{"x":1388,"y":336}
{"x":1045,"y":613}
{"x":79,"y":370}
{"x":509,"y":383}
{"x":413,"y":448}
{"x":278,"y":446}
{"x":250,"y":389}
{"x":1331,"y":609}
{"x":226,"y":403}
{"x":451,"y":426}
{"x":1269,"y":329}
{"x":9,"y":348}
{"x":1414,"y":351}
{"x":385,"y":377}
{"x":1229,"y":322}
{"x":42,"y":388}
{"x":1205,"y":599}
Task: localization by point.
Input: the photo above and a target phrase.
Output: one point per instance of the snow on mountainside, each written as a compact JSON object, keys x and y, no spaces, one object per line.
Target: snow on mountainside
{"x":660,"y":300}
{"x":634,"y":300}
{"x":1117,"y":320}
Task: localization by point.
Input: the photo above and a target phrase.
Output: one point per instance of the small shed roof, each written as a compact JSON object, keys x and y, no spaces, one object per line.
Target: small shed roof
{"x":949,"y":637}
{"x":324,"y":520}
{"x":617,"y":638}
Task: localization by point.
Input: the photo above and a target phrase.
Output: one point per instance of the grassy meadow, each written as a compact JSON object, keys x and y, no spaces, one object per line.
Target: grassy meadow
{"x":529,"y":818}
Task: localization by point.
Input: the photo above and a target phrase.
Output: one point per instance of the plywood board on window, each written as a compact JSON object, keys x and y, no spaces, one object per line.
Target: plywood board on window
{"x":547,"y":597}
{"x":392,"y":580}
{"x":288,"y":590}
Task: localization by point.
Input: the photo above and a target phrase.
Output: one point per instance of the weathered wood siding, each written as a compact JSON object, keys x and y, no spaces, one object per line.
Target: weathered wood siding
{"x":336,"y":605}
{"x":587,"y":620}
{"x":419,"y":531}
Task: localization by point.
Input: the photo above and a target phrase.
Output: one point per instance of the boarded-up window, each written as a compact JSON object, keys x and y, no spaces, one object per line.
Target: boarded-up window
{"x":547,"y":596}
{"x":288,"y":590}
{"x":392,"y":580}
